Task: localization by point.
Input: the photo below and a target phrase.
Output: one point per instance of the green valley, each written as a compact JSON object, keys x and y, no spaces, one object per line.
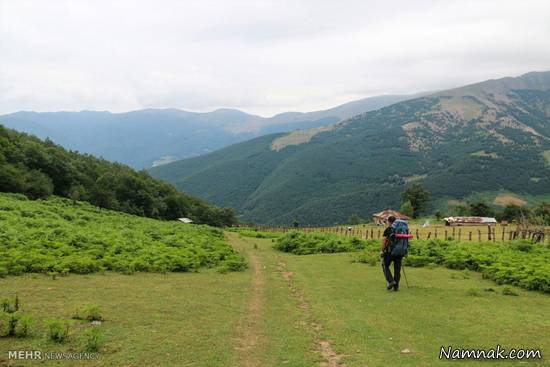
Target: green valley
{"x":456,"y":143}
{"x":274,"y":183}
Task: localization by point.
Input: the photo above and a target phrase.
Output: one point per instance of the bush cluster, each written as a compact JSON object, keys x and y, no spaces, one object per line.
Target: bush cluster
{"x":90,"y":312}
{"x":58,"y":330}
{"x":254,"y":233}
{"x":300,"y":243}
{"x":59,"y":236}
{"x":93,"y":339}
{"x":12,"y":321}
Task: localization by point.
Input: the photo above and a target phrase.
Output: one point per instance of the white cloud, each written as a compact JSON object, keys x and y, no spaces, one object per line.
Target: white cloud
{"x":261,"y":56}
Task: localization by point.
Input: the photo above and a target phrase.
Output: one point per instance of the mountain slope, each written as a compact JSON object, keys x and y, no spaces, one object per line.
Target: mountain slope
{"x":151,"y":137}
{"x":488,"y":136}
{"x":39,"y":169}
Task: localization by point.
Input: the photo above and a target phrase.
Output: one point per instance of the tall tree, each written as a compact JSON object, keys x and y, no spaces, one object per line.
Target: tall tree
{"x":355,"y":219}
{"x":418,"y":197}
{"x":407,"y":209}
{"x":481,"y":209}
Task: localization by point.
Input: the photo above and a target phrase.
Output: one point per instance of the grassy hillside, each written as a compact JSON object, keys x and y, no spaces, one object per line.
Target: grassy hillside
{"x":39,"y":168}
{"x":489,"y":136}
{"x":61,"y":236}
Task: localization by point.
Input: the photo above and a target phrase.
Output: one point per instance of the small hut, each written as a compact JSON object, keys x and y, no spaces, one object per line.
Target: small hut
{"x":381,"y":218}
{"x":470,"y":221}
{"x":185,"y":220}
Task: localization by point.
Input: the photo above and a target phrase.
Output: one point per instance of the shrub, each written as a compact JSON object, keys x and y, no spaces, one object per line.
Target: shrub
{"x":15,"y":324}
{"x":258,"y":234}
{"x":36,"y":238}
{"x":5,"y":324}
{"x":507,"y":291}
{"x":93,"y":339}
{"x":78,"y":314}
{"x":313,"y":243}
{"x":93,"y":313}
{"x":58,"y":330}
{"x":10,"y":305}
{"x":24,"y":326}
{"x":473,"y":292}
{"x":368,"y":257}
{"x":233,"y":263}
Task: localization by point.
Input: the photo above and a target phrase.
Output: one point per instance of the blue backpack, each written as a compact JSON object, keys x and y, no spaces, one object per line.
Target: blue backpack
{"x":399,"y":238}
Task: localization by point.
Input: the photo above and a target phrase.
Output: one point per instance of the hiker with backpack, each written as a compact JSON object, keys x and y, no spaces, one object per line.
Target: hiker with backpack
{"x":394,"y":246}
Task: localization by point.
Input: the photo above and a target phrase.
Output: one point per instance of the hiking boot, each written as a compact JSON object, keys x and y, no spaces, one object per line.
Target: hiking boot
{"x":390,"y":286}
{"x":395,"y":286}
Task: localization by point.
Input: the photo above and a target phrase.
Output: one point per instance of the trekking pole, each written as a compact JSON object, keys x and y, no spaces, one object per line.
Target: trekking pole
{"x":405,"y":275}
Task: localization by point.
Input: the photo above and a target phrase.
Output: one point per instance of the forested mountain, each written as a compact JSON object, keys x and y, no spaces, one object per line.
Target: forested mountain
{"x":489,"y":136}
{"x":151,"y":137}
{"x":39,"y":168}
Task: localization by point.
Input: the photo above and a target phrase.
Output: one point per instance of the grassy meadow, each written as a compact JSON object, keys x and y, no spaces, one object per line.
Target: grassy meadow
{"x":324,"y":309}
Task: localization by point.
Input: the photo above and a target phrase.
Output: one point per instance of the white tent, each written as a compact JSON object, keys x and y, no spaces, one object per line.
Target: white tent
{"x":185,"y":220}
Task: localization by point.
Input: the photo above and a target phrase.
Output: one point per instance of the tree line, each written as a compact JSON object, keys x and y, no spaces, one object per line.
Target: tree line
{"x":39,"y":169}
{"x":415,"y":199}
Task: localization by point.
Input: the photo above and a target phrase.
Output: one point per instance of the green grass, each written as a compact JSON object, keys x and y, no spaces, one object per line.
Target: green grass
{"x":63,"y":236}
{"x":519,"y":262}
{"x":201,"y":319}
{"x":372,"y":325}
{"x":285,"y":341}
{"x":150,"y":319}
{"x":169,"y":319}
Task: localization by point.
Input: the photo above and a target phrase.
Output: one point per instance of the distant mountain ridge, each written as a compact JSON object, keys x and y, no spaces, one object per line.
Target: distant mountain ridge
{"x":150,"y":137}
{"x":488,"y":136}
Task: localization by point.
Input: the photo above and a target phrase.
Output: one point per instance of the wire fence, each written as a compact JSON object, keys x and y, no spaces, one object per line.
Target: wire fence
{"x":494,"y":233}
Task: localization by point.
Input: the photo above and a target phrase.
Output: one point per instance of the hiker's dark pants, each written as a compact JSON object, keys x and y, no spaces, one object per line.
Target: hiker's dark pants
{"x":388,"y":259}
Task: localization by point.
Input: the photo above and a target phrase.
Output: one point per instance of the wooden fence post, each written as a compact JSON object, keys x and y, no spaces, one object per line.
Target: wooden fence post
{"x":479,"y":235}
{"x":489,"y":233}
{"x":459,"y":234}
{"x":470,"y":236}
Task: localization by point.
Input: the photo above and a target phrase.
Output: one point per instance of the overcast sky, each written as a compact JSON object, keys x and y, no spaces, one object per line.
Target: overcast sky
{"x":260,"y":56}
